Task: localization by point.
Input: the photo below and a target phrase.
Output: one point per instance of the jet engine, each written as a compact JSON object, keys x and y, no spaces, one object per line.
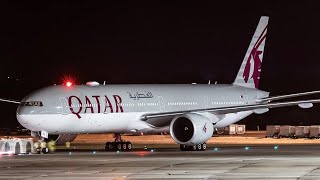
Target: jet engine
{"x":61,"y":139}
{"x":191,"y":129}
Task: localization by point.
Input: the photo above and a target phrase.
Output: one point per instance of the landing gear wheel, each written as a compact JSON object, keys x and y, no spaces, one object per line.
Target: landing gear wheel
{"x":194,"y":147}
{"x":199,"y":147}
{"x":183,"y":147}
{"x":129,"y":146}
{"x":124,"y":146}
{"x":45,"y":150}
{"x":108,"y":146}
{"x":204,"y":146}
{"x":118,"y":146}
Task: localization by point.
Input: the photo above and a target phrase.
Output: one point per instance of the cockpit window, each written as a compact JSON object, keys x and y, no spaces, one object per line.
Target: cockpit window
{"x":31,"y":103}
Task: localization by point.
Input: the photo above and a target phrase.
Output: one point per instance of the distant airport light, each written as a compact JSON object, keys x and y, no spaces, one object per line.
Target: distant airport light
{"x":276,"y":147}
{"x":247,"y":148}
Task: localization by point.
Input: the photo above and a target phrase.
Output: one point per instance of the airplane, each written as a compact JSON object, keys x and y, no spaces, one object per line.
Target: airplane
{"x":189,"y":112}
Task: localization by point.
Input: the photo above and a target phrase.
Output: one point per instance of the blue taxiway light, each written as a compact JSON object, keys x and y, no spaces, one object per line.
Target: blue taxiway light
{"x":247,"y":148}
{"x":276,"y":147}
{"x":215,"y":149}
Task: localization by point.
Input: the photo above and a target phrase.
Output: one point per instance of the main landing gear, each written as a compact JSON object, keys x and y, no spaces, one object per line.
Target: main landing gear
{"x":197,"y":147}
{"x":118,"y":144}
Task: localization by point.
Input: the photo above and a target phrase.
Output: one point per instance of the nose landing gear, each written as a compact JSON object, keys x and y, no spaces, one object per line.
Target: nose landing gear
{"x":118,"y":144}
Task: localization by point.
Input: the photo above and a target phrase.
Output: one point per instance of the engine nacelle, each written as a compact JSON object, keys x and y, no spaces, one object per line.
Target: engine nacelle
{"x":61,"y":139}
{"x":191,"y":129}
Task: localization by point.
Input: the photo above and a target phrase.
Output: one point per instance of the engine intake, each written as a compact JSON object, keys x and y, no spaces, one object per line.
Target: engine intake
{"x":191,"y":129}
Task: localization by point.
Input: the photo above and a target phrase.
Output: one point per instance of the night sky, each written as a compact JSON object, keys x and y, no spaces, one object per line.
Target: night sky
{"x":142,"y":42}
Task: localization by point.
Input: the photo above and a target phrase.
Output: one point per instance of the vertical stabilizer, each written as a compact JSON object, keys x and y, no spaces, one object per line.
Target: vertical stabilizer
{"x":249,"y":72}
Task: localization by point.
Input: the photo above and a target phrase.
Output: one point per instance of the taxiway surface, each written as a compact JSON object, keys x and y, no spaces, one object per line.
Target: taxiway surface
{"x":232,"y":162}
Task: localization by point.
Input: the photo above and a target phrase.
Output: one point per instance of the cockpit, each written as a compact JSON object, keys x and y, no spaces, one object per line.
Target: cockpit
{"x":31,"y":103}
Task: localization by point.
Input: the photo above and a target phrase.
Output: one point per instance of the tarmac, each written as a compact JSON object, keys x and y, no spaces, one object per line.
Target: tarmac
{"x":218,"y":162}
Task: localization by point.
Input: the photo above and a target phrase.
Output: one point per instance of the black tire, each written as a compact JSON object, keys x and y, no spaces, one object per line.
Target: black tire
{"x":204,"y":147}
{"x":129,"y":146}
{"x":107,"y":147}
{"x":38,"y":150}
{"x":194,"y":147}
{"x":118,"y":146}
{"x":183,"y":147}
{"x":45,"y":150}
{"x":199,"y":147}
{"x":124,"y":146}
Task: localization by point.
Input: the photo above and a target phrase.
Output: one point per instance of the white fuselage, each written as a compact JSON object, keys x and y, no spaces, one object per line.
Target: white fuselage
{"x":119,"y":108}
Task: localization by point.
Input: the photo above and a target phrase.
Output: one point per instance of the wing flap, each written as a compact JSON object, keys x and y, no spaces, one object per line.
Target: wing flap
{"x":274,"y":98}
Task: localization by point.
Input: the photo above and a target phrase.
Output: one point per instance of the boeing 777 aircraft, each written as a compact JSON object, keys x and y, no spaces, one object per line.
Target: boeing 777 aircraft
{"x":189,"y":112}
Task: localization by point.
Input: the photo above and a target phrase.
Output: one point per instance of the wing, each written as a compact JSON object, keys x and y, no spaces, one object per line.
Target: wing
{"x":10,"y":101}
{"x":234,"y":109}
{"x":274,"y":98}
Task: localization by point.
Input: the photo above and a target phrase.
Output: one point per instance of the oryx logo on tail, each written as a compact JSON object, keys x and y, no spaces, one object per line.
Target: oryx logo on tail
{"x":249,"y":73}
{"x":253,"y":67}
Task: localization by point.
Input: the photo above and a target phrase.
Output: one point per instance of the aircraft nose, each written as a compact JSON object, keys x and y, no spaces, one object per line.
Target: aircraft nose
{"x":26,"y":112}
{"x":23,"y":120}
{"x":28,"y":120}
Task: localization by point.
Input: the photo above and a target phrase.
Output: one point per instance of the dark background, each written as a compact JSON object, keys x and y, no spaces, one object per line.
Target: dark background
{"x":158,"y":42}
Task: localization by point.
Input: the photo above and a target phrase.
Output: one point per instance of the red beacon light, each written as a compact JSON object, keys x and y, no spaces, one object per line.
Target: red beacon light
{"x":68,"y":81}
{"x":69,"y":84}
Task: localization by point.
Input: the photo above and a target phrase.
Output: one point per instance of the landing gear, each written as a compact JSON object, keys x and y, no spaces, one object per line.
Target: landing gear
{"x":197,"y":147}
{"x":118,"y":144}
